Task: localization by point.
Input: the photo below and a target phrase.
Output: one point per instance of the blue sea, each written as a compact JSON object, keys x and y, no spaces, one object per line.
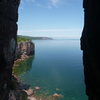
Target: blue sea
{"x":57,"y":68}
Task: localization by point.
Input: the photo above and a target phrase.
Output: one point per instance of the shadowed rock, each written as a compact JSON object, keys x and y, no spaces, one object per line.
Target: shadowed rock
{"x":8,"y":34}
{"x":90,"y":44}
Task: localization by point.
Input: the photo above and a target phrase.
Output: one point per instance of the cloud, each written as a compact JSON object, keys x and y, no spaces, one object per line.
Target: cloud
{"x":55,"y":2}
{"x":28,"y":0}
{"x":44,"y":4}
{"x":49,"y":3}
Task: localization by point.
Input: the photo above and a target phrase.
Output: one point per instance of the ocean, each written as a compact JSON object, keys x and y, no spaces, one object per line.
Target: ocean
{"x":57,"y":68}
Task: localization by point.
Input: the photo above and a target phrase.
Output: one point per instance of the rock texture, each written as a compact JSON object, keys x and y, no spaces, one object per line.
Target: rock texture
{"x":25,"y":49}
{"x":8,"y":34}
{"x":90,"y":44}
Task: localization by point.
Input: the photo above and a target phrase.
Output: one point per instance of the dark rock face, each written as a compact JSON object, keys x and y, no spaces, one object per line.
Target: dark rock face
{"x":8,"y":34}
{"x":25,"y":48}
{"x":90,"y":44}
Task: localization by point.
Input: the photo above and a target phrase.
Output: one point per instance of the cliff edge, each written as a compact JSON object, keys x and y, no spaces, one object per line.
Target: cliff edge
{"x":25,"y":48}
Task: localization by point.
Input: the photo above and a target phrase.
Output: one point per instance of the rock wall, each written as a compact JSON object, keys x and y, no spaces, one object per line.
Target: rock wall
{"x":90,"y":44}
{"x":25,"y":48}
{"x":8,"y":35}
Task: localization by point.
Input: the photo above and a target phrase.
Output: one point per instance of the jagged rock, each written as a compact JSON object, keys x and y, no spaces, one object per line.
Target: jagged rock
{"x":29,"y":92}
{"x":25,"y":49}
{"x":12,"y":96}
{"x":8,"y":35}
{"x":37,"y":88}
{"x":56,"y":95}
{"x":17,"y":95}
{"x":32,"y":98}
{"x":90,"y":44}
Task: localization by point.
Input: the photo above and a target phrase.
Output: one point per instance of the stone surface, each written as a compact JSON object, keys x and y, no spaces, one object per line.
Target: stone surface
{"x":29,"y":92}
{"x":90,"y":44}
{"x":37,"y":88}
{"x":25,"y":48}
{"x":8,"y":34}
{"x":56,"y":95}
{"x":32,"y":98}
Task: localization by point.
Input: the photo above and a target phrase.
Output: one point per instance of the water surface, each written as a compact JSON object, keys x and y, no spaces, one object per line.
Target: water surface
{"x":57,"y":68}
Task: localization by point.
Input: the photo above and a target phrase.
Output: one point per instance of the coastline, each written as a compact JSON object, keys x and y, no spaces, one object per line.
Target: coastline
{"x":22,"y":90}
{"x":25,"y":51}
{"x":29,"y":93}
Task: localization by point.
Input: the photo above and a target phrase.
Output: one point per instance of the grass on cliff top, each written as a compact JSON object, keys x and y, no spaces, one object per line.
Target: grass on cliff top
{"x":22,"y":39}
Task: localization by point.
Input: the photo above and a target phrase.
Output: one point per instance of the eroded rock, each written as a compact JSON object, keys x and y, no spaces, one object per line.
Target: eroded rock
{"x":8,"y":35}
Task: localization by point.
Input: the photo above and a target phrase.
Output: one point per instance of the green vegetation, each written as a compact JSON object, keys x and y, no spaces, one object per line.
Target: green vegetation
{"x":22,"y":67}
{"x":21,"y":38}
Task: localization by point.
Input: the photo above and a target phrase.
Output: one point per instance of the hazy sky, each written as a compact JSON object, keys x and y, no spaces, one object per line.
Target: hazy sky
{"x":52,"y":18}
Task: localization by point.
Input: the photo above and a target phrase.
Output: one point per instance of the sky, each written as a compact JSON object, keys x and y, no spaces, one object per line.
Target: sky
{"x":51,"y":18}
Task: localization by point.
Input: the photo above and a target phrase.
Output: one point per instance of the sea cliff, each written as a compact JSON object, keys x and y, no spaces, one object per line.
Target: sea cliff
{"x":25,"y":48}
{"x":25,"y":51}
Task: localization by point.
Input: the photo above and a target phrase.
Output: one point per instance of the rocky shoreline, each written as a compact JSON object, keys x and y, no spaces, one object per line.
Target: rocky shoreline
{"x":24,"y":92}
{"x":24,"y":51}
{"x":20,"y":90}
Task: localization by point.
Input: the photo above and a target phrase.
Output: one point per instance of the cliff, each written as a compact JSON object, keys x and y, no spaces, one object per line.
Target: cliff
{"x":8,"y":37}
{"x":26,"y":48}
{"x":90,"y":44}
